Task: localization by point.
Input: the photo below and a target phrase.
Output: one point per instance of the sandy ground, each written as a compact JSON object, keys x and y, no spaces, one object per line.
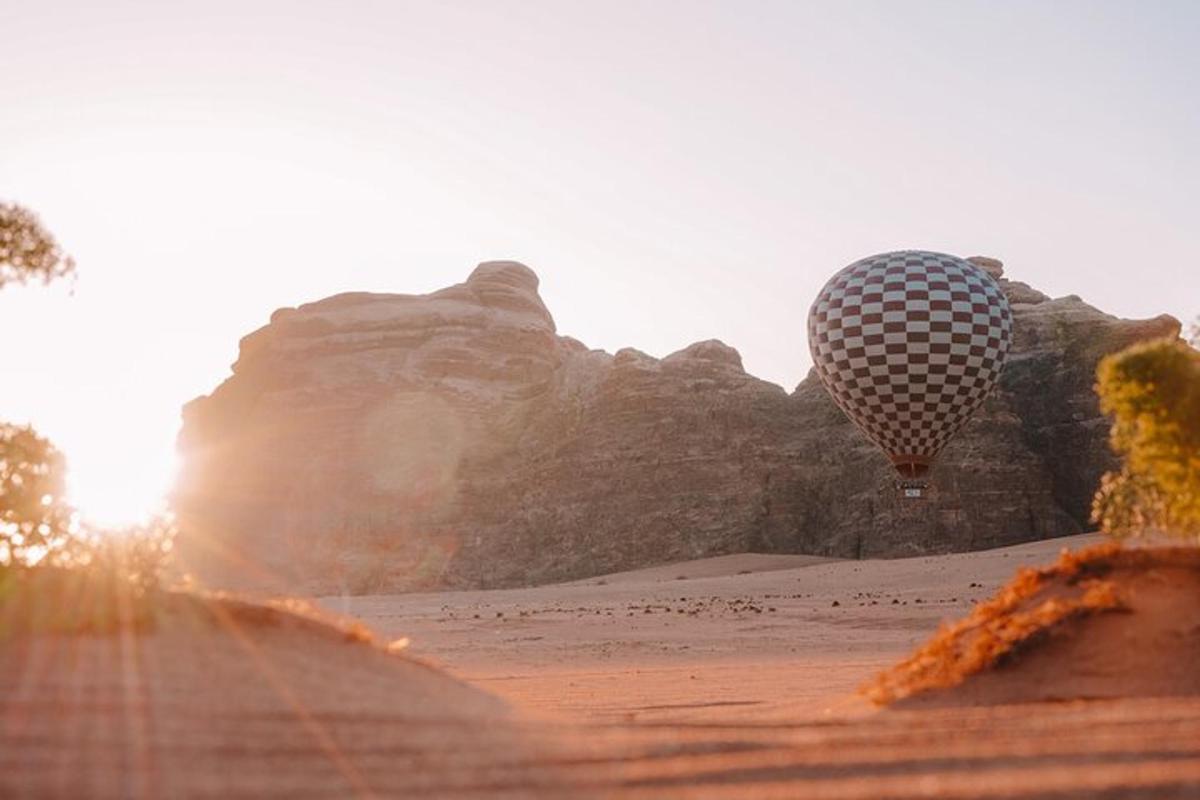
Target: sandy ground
{"x":735,"y":678}
{"x":747,"y":638}
{"x":231,"y":707}
{"x":727,"y":678}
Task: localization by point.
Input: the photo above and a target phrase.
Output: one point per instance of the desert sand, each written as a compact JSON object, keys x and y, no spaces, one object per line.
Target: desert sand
{"x":245,"y":702}
{"x":731,"y":677}
{"x":736,"y":677}
{"x":747,"y":638}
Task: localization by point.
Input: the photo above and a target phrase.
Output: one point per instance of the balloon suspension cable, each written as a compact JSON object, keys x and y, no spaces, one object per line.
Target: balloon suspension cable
{"x":910,"y":467}
{"x":912,"y":470}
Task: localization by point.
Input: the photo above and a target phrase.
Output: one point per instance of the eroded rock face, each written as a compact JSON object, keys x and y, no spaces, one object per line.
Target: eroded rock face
{"x":385,"y":442}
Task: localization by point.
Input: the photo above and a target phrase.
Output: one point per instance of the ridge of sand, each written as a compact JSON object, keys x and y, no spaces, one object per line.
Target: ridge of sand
{"x":229,"y":699}
{"x":717,"y":704}
{"x":759,"y":646}
{"x":1101,"y":623}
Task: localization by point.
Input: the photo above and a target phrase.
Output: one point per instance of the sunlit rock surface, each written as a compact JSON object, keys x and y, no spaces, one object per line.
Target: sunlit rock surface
{"x":371,"y":442}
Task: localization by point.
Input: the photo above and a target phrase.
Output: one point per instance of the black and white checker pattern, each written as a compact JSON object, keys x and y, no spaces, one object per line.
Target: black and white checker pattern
{"x":909,"y":344}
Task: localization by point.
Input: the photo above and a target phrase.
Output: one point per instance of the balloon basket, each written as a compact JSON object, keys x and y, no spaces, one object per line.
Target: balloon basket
{"x":912,"y":490}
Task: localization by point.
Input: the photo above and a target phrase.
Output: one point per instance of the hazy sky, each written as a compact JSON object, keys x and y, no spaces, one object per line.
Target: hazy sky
{"x":673,"y":171}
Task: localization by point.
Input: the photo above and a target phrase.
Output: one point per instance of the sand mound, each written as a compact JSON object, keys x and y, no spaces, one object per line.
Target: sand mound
{"x":219,"y":698}
{"x":1101,"y":623}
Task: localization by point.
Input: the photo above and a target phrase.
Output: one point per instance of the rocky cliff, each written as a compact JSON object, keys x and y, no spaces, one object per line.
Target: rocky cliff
{"x":373,"y":442}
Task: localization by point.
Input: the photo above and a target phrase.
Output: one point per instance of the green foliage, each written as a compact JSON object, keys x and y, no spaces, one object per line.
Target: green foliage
{"x":55,"y":573}
{"x":91,"y":582}
{"x":53,"y":599}
{"x":35,"y":520}
{"x":1152,"y":393}
{"x":139,"y":552}
{"x":27,"y":250}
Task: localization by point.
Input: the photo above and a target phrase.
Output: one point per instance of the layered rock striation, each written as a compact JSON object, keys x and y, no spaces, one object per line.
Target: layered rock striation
{"x":371,"y":442}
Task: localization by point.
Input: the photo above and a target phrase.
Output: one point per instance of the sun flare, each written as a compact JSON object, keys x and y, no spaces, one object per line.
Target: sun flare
{"x":114,"y":490}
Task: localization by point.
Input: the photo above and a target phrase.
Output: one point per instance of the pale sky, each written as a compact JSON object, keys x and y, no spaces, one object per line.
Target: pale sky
{"x":674,"y":171}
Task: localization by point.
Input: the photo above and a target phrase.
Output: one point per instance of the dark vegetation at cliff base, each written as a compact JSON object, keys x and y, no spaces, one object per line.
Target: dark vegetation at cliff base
{"x":1103,"y":622}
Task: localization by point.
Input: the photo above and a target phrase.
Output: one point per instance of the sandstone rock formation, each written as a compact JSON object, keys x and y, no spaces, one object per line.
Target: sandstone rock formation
{"x":372,"y":442}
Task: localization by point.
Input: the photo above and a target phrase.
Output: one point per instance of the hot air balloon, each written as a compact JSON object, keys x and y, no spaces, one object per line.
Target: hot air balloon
{"x":909,"y":344}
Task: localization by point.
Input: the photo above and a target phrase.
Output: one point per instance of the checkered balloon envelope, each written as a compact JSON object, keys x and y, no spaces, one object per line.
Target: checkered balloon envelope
{"x":909,"y":344}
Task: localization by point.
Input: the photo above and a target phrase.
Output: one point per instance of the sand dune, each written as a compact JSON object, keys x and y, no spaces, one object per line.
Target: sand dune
{"x":1105,"y":623}
{"x":730,"y":684}
{"x":750,"y":637}
{"x":245,"y":703}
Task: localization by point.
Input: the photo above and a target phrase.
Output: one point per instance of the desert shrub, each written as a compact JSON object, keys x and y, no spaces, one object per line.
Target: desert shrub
{"x":96,"y":599}
{"x":1152,"y":393}
{"x":57,"y":574}
{"x":39,"y":526}
{"x":139,"y":552}
{"x":1022,"y":613}
{"x":91,"y":582}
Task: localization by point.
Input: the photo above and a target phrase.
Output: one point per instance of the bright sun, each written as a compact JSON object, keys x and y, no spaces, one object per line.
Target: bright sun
{"x":115,"y":489}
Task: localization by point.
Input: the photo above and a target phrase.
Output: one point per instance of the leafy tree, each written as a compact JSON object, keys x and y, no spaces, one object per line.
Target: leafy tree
{"x":98,"y":582}
{"x":37,"y":524}
{"x":45,"y":554}
{"x":1152,"y":392}
{"x":34,"y":517}
{"x":137,"y":553}
{"x":28,"y":251}
{"x":35,"y":520}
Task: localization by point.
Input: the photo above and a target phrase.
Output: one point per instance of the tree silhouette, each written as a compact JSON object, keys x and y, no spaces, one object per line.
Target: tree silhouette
{"x":35,"y":519}
{"x":37,"y":524}
{"x":28,"y":251}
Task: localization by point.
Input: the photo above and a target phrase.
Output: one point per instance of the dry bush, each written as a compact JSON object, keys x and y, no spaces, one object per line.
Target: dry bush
{"x":1152,"y":393}
{"x":72,"y":600}
{"x":93,"y":582}
{"x":1020,"y":614}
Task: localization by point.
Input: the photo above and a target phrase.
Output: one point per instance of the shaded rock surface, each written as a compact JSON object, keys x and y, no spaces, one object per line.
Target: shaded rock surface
{"x":372,"y":442}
